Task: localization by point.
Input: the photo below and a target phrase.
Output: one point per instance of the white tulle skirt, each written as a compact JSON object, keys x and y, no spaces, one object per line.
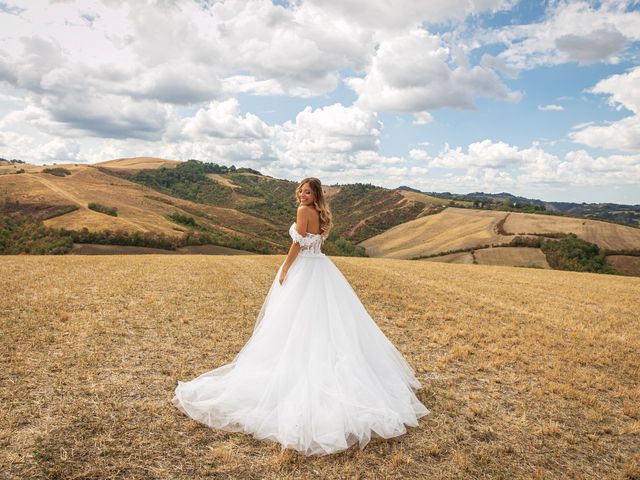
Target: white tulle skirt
{"x":317,"y":374}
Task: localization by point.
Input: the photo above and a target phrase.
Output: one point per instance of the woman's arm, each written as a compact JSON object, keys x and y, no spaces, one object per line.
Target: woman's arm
{"x":302,"y":218}
{"x":291,"y":256}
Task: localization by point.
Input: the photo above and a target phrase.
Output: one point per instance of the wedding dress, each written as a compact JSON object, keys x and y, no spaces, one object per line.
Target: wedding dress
{"x":317,"y":374}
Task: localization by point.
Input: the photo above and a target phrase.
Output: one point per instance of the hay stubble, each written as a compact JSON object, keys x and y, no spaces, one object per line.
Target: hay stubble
{"x":527,"y":373}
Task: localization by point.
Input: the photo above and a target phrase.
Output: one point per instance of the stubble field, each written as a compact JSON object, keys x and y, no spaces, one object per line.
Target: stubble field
{"x":528,"y":373}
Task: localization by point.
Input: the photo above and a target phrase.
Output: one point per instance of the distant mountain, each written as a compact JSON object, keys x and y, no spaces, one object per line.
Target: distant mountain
{"x":623,"y":214}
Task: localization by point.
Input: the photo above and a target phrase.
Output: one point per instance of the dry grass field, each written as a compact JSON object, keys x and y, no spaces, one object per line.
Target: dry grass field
{"x":451,"y":229}
{"x":97,"y":249}
{"x":517,"y":256}
{"x":608,"y":235}
{"x":529,"y":374}
{"x":460,"y":257}
{"x":625,"y":264}
{"x":458,"y":228}
{"x":512,"y":256}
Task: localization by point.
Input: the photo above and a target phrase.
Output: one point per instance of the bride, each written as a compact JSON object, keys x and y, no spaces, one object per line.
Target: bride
{"x":317,"y":374}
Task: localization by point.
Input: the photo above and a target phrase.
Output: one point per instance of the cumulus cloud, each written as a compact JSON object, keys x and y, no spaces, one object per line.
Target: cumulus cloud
{"x":422,"y":118}
{"x":624,"y":92}
{"x":381,"y":14}
{"x":419,"y":154}
{"x":593,"y":46}
{"x":411,"y":73}
{"x":107,"y":116}
{"x":622,"y":135}
{"x":184,"y":53}
{"x":579,"y":168}
{"x":93,"y":80}
{"x":330,"y":138}
{"x":479,"y":154}
{"x":6,"y":7}
{"x":180,"y":52}
{"x":490,"y":165}
{"x":59,"y":149}
{"x":223,"y":120}
{"x":570,"y":32}
{"x":490,"y":61}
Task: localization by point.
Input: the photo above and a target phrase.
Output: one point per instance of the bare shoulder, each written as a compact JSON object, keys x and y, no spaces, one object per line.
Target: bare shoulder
{"x":304,"y":215}
{"x":306,"y":210}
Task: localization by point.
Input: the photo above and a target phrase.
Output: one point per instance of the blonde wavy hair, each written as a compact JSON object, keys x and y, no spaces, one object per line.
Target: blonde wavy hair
{"x":326,"y":220}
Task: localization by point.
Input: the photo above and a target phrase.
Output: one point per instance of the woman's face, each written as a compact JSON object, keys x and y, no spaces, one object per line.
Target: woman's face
{"x":306,"y":195}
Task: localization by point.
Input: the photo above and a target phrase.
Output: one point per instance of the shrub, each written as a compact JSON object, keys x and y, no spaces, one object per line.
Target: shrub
{"x":121,"y":237}
{"x":57,"y":171}
{"x":183,"y":219}
{"x":21,"y":231}
{"x":518,"y":241}
{"x":576,"y":254}
{"x":334,"y":245}
{"x":98,"y":207}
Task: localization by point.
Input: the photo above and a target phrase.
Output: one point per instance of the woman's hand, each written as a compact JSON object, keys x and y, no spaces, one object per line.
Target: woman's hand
{"x":283,"y":273}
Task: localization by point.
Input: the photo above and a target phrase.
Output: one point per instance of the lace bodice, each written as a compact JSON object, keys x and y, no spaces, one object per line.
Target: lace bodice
{"x":310,"y":243}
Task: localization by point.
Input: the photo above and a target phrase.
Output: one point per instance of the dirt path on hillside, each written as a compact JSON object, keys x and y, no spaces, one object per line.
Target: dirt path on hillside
{"x":58,"y":190}
{"x":82,"y":204}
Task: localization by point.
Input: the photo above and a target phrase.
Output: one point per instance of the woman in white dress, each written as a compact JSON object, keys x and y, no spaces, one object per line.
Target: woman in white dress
{"x":317,"y":374}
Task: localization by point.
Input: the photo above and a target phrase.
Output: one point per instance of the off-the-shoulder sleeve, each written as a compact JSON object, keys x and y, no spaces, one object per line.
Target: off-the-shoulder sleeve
{"x":297,"y":238}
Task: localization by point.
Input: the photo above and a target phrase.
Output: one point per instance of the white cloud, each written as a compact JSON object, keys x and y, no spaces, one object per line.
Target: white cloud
{"x":490,"y":61}
{"x":551,"y":108}
{"x":422,"y":118}
{"x":108,"y":116}
{"x":410,"y":73}
{"x":331,"y":138}
{"x":479,"y":154}
{"x":570,"y":32}
{"x":15,"y":145}
{"x":624,"y":134}
{"x":624,"y":90}
{"x":419,"y":155}
{"x":179,"y":52}
{"x":402,"y":14}
{"x":473,"y":180}
{"x":60,"y":150}
{"x":6,"y":7}
{"x":223,"y":120}
{"x":249,"y":84}
{"x":174,"y":83}
{"x":91,"y":80}
{"x":581,"y":169}
{"x":493,"y":165}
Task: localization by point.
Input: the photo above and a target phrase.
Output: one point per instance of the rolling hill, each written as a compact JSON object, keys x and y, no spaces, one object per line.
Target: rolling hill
{"x":451,"y":229}
{"x":140,"y":209}
{"x":458,"y":235}
{"x":460,"y":229}
{"x":241,"y":207}
{"x":182,"y":205}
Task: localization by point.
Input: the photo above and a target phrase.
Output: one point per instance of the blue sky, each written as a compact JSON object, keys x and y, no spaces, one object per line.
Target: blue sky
{"x":540,"y":99}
